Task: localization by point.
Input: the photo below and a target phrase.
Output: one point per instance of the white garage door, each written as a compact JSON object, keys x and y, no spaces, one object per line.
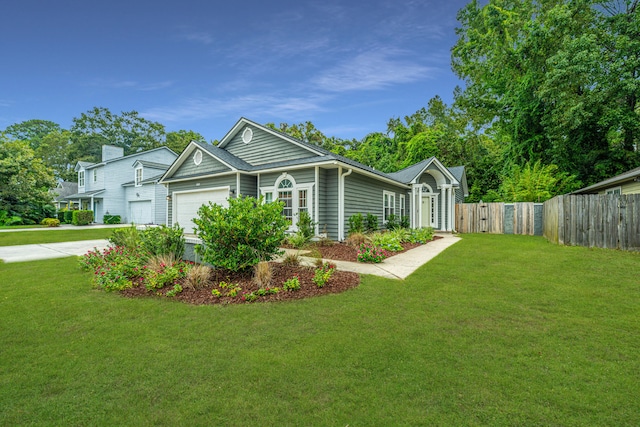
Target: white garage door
{"x":140,"y":212}
{"x":186,"y":205}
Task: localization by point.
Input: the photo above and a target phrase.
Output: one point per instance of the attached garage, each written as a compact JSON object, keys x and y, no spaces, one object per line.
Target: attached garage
{"x":140,"y":212}
{"x":186,"y":205}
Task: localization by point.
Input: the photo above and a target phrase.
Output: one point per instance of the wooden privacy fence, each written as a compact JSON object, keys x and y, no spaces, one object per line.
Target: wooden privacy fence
{"x":603,"y":221}
{"x":499,"y":218}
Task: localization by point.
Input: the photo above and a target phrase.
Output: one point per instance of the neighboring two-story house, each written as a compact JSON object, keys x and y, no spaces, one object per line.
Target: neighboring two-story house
{"x":125,"y":185}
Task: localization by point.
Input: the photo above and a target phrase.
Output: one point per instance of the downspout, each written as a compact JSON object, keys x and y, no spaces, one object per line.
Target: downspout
{"x":342,"y":176}
{"x":316,"y":201}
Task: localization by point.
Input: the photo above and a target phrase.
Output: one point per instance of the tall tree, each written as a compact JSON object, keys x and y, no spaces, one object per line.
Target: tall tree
{"x":32,"y":131}
{"x":178,"y":141}
{"x":54,"y":150}
{"x":24,"y":182}
{"x":128,"y":130}
{"x":557,"y":80}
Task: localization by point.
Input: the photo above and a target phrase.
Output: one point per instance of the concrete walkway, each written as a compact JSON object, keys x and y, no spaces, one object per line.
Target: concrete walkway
{"x":397,"y":267}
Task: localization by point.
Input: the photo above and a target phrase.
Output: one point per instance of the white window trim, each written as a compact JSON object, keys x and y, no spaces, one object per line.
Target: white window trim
{"x":197,"y":157}
{"x":392,"y":196}
{"x":138,"y":183}
{"x":403,"y":207}
{"x":247,"y":135}
{"x":295,"y":190}
{"x":613,"y":190}
{"x":95,"y":175}
{"x":81,"y":178}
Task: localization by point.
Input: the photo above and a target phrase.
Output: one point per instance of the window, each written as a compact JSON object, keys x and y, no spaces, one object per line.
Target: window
{"x":268,"y":197}
{"x":138,"y":177}
{"x":285,"y":195}
{"x":402,"y":206}
{"x":197,"y":157}
{"x":95,"y":175}
{"x":303,"y":205}
{"x":389,"y":205}
{"x":81,"y":179}
{"x":616,"y":191}
{"x":247,"y":135}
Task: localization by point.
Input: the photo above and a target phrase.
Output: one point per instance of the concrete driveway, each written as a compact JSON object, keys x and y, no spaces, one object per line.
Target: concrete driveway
{"x":49,"y":250}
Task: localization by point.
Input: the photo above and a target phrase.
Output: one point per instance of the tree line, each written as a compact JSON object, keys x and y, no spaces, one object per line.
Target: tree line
{"x":550,"y":104}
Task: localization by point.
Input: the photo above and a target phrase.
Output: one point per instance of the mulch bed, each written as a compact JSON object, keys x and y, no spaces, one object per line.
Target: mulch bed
{"x":340,"y":281}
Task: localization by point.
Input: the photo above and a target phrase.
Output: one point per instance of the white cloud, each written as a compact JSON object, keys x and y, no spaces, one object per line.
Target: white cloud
{"x":197,"y":36}
{"x":130,"y":84}
{"x":371,"y":70}
{"x":249,"y":105}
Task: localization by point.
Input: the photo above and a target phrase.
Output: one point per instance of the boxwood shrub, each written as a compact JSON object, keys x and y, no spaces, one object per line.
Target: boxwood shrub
{"x":82,"y":217}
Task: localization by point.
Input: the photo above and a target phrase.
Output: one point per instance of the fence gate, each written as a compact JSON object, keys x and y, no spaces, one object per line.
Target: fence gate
{"x":499,"y":218}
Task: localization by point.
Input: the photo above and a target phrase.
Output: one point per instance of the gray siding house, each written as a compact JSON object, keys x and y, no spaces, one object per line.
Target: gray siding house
{"x":125,"y":185}
{"x":253,"y":160}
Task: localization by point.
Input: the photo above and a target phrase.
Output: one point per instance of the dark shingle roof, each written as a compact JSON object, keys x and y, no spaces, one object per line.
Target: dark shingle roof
{"x":626,"y":176}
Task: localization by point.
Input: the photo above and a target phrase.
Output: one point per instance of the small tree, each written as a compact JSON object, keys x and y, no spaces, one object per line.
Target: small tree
{"x":241,"y":235}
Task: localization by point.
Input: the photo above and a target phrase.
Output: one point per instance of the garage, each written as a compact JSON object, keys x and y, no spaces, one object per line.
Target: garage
{"x":140,"y":212}
{"x":186,"y":205}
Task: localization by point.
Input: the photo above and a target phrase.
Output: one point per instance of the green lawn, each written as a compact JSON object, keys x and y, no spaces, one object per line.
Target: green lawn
{"x":30,"y":237}
{"x":497,"y":330}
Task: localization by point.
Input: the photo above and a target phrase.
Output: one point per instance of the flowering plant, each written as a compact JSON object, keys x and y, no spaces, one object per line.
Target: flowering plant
{"x":323,"y":274}
{"x":292,"y":284}
{"x":370,"y":253}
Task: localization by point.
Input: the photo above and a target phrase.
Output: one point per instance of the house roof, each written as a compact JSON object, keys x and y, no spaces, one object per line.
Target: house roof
{"x":410,"y":173}
{"x":153,"y":165}
{"x":149,"y":180}
{"x":87,"y":165}
{"x":317,"y":155}
{"x":618,"y":179}
{"x":83,"y":195}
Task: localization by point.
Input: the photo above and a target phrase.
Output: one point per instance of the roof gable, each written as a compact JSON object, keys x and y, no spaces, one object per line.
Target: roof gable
{"x":258,"y":145}
{"x":214,"y":160}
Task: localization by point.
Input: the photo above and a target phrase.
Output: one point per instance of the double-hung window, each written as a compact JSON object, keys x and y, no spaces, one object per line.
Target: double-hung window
{"x":138,"y":178}
{"x":389,"y":205}
{"x":81,"y":178}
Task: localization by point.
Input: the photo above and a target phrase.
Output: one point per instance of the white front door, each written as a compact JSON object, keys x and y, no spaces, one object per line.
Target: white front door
{"x":425,"y":220}
{"x":429,"y":212}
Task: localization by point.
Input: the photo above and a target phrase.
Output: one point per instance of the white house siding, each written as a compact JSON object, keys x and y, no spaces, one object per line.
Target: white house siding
{"x":265,"y":148}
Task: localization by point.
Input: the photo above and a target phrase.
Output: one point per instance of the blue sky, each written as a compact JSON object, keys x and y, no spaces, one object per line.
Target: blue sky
{"x":200,"y":65}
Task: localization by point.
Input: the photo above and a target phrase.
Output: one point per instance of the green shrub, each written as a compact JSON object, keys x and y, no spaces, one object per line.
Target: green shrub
{"x":371,"y":254}
{"x":404,"y":222}
{"x":125,"y":237}
{"x":371,"y":223}
{"x":297,"y":240}
{"x":111,"y":219}
{"x":356,"y":223}
{"x":51,"y":222}
{"x":6,"y":219}
{"x":402,"y":235}
{"x":306,"y":226}
{"x":241,"y":235}
{"x":387,"y":241}
{"x":421,"y":235}
{"x":60,"y":216}
{"x":393,"y":222}
{"x":81,"y":217}
{"x":68,"y":217}
{"x":162,"y":240}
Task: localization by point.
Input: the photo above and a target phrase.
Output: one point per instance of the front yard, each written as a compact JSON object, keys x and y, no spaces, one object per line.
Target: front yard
{"x":496,"y":330}
{"x":13,"y":238}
